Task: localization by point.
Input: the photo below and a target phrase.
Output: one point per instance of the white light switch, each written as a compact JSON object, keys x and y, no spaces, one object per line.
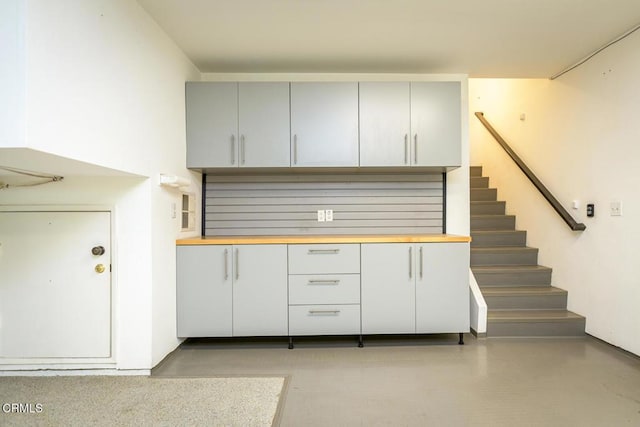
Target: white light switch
{"x":321,"y":215}
{"x":616,"y":208}
{"x":173,"y":210}
{"x":328,"y":215}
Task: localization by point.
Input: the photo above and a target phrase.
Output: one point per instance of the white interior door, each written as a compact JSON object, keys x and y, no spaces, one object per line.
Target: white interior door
{"x":54,"y":301}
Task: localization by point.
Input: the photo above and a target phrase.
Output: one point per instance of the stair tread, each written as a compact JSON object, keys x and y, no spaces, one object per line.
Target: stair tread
{"x":509,"y":268}
{"x":504,"y":249}
{"x":532,"y":315}
{"x":521,"y":290}
{"x":491,"y":215}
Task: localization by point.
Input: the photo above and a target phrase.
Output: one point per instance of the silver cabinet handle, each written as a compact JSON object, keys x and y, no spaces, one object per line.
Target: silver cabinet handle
{"x":233,"y":149}
{"x":242,"y":149}
{"x":323,"y":251}
{"x":410,"y":262}
{"x":421,"y":262}
{"x":415,"y":149}
{"x":295,"y":149}
{"x":237,"y":264}
{"x":314,"y":312}
{"x":323,"y":282}
{"x":226,"y":264}
{"x":406,"y":148}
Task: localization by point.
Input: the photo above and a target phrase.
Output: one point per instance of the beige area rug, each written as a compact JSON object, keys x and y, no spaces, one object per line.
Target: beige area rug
{"x":140,"y":401}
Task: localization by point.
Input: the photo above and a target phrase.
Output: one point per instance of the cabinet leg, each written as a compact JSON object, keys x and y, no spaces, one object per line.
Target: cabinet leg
{"x":290,"y":343}
{"x":360,"y":342}
{"x":461,"y":341}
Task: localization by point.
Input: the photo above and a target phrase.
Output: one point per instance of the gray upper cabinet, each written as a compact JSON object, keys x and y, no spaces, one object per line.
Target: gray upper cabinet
{"x":263,"y":124}
{"x":324,"y":124}
{"x":212,"y":124}
{"x":237,"y":124}
{"x":410,"y":124}
{"x":385,"y":126}
{"x":436,"y":123}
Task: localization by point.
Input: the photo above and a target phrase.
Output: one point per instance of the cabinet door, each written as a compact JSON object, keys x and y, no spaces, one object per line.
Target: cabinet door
{"x":436,"y":124}
{"x":384,"y":123}
{"x":212,"y":124}
{"x":204,"y":291}
{"x":264,"y":129}
{"x":388,"y":288}
{"x":260,"y":290}
{"x":442,"y":288}
{"x":324,"y":124}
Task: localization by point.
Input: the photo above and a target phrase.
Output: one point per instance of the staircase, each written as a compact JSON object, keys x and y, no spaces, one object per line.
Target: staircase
{"x":518,"y":291}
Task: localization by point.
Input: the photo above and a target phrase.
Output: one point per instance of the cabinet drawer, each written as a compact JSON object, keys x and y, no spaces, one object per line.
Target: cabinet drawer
{"x":324,"y":259}
{"x":324,"y":319}
{"x":324,"y":289}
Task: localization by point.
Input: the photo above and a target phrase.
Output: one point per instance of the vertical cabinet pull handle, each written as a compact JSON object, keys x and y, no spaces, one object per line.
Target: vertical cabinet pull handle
{"x":226,"y":264}
{"x":295,"y":149}
{"x":233,"y":149}
{"x":410,"y":262}
{"x":406,"y":148}
{"x":421,"y":262}
{"x":237,"y":264}
{"x":415,"y":149}
{"x":242,"y":149}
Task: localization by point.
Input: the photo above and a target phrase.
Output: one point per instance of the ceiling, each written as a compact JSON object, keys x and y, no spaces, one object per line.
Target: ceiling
{"x":488,"y":38}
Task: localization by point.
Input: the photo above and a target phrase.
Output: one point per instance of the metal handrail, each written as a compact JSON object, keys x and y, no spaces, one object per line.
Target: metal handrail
{"x":572,"y":223}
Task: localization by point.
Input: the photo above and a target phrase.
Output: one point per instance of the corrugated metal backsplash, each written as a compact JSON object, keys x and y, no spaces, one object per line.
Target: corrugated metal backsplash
{"x":288,"y":204}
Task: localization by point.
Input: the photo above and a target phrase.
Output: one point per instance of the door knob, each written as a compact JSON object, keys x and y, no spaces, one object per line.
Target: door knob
{"x":97,"y":250}
{"x":100,"y":268}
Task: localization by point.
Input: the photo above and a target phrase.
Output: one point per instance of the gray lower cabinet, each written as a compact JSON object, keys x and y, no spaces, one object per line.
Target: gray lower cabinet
{"x":232,"y":290}
{"x":415,"y":288}
{"x":324,"y":289}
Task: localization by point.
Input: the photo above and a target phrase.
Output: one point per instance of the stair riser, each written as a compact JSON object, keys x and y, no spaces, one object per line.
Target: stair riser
{"x":503,"y":222}
{"x":483,"y":194}
{"x":475,"y":171}
{"x":488,"y":208}
{"x":505,"y":258}
{"x":526,"y":302}
{"x":516,"y":238}
{"x":520,"y":278}
{"x":479,"y":182}
{"x":564,"y":328}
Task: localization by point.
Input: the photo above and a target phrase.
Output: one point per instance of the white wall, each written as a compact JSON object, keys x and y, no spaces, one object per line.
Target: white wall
{"x":581,"y":137}
{"x":12,"y":77}
{"x":105,"y":85}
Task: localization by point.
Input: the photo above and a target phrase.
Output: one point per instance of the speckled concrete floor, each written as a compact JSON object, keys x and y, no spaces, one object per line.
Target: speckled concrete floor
{"x":434,"y":382}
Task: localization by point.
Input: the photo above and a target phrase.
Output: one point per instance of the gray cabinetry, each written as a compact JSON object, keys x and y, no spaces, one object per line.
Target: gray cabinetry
{"x":324,"y":289}
{"x":415,"y":288}
{"x":436,"y":123}
{"x":442,"y":288}
{"x":410,"y":124}
{"x":204,"y":291}
{"x":212,"y":124}
{"x":232,"y":290}
{"x":385,"y":127}
{"x":237,"y":124}
{"x":324,"y":124}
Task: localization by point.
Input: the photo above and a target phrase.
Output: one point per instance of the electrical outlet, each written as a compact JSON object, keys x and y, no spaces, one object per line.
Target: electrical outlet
{"x":328,"y":215}
{"x":616,"y":208}
{"x":321,"y":215}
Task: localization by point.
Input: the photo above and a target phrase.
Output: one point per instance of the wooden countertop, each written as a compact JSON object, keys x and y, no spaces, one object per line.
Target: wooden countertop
{"x":319,"y":239}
